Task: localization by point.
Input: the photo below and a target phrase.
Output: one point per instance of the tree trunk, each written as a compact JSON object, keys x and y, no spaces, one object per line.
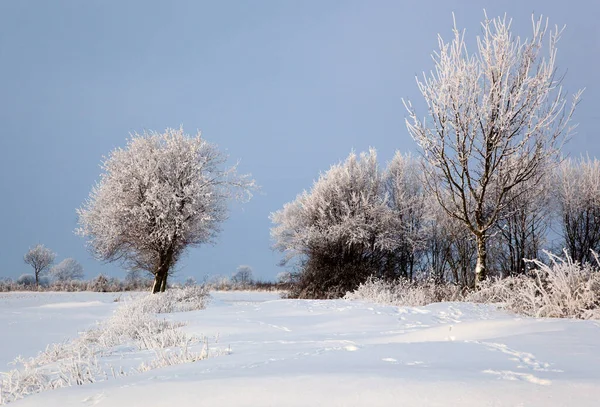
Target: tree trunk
{"x":157,"y":283}
{"x":481,"y":267}
{"x":163,"y":284}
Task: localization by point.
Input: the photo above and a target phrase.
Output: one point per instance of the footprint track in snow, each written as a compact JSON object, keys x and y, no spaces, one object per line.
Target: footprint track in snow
{"x":510,"y":375}
{"x":526,"y":359}
{"x":93,"y":400}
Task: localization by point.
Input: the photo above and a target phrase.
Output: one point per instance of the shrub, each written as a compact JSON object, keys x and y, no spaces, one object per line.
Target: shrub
{"x":184,"y":299}
{"x":561,"y":289}
{"x":405,"y":293}
{"x":26,"y":280}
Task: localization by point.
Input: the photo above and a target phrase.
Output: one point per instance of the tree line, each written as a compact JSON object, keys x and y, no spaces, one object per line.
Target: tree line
{"x":359,"y":220}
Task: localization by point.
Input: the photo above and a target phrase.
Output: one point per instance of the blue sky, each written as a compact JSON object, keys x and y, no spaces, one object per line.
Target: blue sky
{"x":287,"y":87}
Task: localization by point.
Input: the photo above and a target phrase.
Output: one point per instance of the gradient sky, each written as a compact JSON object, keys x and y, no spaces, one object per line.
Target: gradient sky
{"x":287,"y":87}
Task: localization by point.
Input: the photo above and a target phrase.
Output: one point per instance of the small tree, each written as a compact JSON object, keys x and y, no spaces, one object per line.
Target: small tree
{"x":243,"y":275}
{"x":497,"y":119}
{"x":40,"y":258}
{"x":67,"y":270}
{"x":164,"y":193}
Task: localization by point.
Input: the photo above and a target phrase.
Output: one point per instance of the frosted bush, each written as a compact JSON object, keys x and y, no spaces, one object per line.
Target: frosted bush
{"x":404,"y":293}
{"x":562,"y":289}
{"x":184,"y":299}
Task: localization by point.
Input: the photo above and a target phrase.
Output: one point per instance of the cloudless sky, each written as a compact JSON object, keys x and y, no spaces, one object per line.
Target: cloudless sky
{"x":288,"y":87}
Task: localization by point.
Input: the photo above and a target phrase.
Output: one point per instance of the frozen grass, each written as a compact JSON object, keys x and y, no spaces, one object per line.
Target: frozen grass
{"x":190,"y":298}
{"x":561,"y":289}
{"x":404,"y":293}
{"x":132,"y":325}
{"x":100,"y":283}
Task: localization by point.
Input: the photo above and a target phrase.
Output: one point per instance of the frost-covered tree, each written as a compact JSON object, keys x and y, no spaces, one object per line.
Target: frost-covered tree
{"x":243,"y":275}
{"x":339,"y":231}
{"x":496,"y":119}
{"x":162,"y":194}
{"x":578,"y":199}
{"x":67,"y":270}
{"x":40,"y":258}
{"x":405,"y":193}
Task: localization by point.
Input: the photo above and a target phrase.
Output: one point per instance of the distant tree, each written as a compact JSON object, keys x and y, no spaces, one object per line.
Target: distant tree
{"x":578,"y":198}
{"x":497,"y":119}
{"x":133,"y":278}
{"x":67,"y":270}
{"x":41,"y":259}
{"x":162,"y":194}
{"x":243,"y":275}
{"x":190,"y":281}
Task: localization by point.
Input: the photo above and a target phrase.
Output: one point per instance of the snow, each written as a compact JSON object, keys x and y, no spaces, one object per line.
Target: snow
{"x":30,"y":320}
{"x":335,"y":353}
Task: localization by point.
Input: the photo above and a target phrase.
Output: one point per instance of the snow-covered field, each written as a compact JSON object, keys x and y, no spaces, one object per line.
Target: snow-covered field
{"x":31,"y":320}
{"x":330,"y":353}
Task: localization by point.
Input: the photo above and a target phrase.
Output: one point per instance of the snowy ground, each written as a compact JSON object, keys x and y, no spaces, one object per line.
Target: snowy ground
{"x":334,"y":353}
{"x":31,"y":320}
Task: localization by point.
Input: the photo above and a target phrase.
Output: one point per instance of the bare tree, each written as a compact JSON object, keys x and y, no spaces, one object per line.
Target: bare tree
{"x":522,"y":228}
{"x":67,"y":270}
{"x":497,"y":118}
{"x":243,"y":275}
{"x":578,"y":198}
{"x":156,"y":198}
{"x":450,"y":248}
{"x":40,"y":258}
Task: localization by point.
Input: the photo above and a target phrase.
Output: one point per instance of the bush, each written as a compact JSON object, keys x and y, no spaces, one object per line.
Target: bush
{"x":404,"y":293}
{"x":562,"y":289}
{"x":26,"y":280}
{"x":184,"y":299}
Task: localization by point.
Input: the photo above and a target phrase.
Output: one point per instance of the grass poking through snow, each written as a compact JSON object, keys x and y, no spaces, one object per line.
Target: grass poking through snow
{"x":134,"y":325}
